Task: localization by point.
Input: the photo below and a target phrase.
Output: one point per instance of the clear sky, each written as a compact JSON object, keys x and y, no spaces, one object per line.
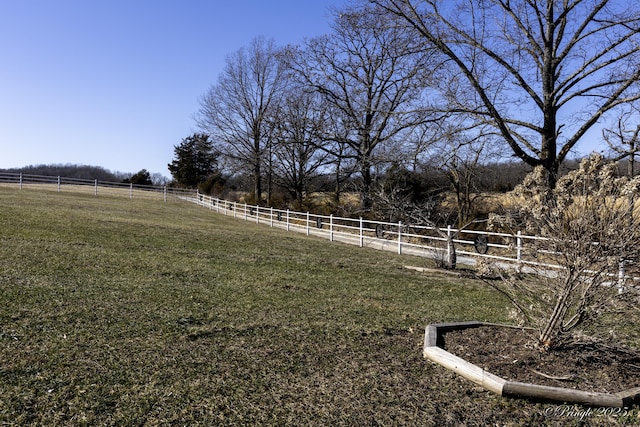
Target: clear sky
{"x":115,"y":83}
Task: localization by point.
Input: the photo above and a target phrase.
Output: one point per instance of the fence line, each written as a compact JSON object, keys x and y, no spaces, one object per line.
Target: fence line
{"x":508,"y":250}
{"x":95,"y":187}
{"x":401,"y":238}
{"x":505,"y":249}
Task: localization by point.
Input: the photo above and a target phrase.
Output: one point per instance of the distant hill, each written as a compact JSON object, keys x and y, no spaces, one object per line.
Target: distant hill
{"x":70,"y":171}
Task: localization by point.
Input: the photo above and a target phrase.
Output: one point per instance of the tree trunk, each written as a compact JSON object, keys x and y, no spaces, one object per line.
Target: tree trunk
{"x":632,"y":158}
{"x":548,"y":152}
{"x":367,"y":180}
{"x":451,"y":254}
{"x":552,"y":329}
{"x":270,"y":180}
{"x":338,"y":189}
{"x":257,"y":182}
{"x":299,"y":194}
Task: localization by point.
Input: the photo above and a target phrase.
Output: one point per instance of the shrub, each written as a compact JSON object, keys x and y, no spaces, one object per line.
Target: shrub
{"x":589,"y":229}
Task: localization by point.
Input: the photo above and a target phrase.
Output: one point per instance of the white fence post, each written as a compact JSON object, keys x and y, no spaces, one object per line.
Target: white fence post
{"x":621,"y":275}
{"x":331,"y":228}
{"x":257,"y":214}
{"x":95,"y":193}
{"x":399,"y":237}
{"x":58,"y":184}
{"x":519,"y":247}
{"x":361,"y":233}
{"x":307,"y":223}
{"x":21,"y":180}
{"x":448,"y":242}
{"x":271,"y":219}
{"x":131,"y":191}
{"x":287,"y":219}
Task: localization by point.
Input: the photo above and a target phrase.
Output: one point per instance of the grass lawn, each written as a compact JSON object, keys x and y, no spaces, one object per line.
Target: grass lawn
{"x":125,"y":312}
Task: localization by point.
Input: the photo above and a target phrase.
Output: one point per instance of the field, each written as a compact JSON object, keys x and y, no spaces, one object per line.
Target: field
{"x":133,"y":312}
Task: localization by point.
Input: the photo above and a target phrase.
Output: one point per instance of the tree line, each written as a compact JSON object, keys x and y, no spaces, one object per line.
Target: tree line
{"x":426,"y":90}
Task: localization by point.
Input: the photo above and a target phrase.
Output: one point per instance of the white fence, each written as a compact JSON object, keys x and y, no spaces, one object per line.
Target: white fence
{"x":94,"y":186}
{"x":509,"y":250}
{"x":401,"y":238}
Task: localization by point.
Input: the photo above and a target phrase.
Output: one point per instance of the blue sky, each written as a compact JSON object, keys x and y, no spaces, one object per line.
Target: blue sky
{"x":115,"y":83}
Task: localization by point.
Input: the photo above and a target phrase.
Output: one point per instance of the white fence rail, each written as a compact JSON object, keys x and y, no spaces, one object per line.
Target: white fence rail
{"x":94,"y":186}
{"x":504,"y":249}
{"x":398,"y":237}
{"x":510,"y":250}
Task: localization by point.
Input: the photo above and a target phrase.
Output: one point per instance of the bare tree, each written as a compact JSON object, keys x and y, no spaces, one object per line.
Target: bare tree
{"x":624,"y":139}
{"x":461,"y":168}
{"x":368,"y":71}
{"x":299,"y":124}
{"x":586,"y":228}
{"x":458,"y":154}
{"x":159,"y":179}
{"x":394,"y":203}
{"x":535,"y":70}
{"x":236,"y":111}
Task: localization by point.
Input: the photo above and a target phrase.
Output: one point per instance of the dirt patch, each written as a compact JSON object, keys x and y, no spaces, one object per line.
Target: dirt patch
{"x":509,"y":353}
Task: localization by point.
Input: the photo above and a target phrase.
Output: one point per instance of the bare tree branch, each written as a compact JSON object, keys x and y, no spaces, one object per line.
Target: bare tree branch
{"x":536,"y":67}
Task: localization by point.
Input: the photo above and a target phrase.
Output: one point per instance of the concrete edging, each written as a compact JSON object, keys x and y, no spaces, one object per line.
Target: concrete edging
{"x":433,"y":350}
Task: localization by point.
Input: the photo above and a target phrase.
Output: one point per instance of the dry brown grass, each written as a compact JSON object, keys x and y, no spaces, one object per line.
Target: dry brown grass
{"x":118,"y":312}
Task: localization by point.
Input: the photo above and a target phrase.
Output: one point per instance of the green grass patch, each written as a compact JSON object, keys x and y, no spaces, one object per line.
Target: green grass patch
{"x":125,"y":312}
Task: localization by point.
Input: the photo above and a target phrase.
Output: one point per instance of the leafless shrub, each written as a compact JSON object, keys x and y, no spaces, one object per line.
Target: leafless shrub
{"x":394,"y":204}
{"x":590,"y":230}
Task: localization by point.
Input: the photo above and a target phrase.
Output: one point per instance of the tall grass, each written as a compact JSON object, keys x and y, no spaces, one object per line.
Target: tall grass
{"x":125,"y":312}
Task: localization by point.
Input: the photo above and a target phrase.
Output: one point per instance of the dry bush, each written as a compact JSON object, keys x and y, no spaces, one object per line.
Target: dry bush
{"x":589,"y":229}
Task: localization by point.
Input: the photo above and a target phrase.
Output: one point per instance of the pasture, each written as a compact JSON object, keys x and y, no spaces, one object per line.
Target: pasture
{"x":138,"y":312}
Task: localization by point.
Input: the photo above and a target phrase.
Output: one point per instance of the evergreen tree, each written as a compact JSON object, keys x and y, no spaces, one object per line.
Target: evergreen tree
{"x":141,"y":178}
{"x":195,"y":160}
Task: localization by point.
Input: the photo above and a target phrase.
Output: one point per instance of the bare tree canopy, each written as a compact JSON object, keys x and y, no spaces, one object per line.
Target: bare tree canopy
{"x":369,"y":73}
{"x":543,"y":73}
{"x":297,"y":156}
{"x":237,"y":110}
{"x":623,"y":138}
